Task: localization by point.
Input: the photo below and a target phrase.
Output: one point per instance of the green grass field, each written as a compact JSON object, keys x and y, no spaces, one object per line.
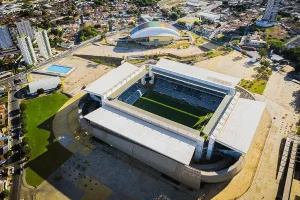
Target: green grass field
{"x":46,"y":153}
{"x":173,"y":109}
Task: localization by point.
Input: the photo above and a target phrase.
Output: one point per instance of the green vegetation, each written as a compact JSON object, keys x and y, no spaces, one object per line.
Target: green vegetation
{"x":136,"y":61}
{"x":262,"y":52}
{"x":255,"y":86}
{"x":143,"y":3}
{"x":198,"y":39}
{"x":46,"y":152}
{"x":87,"y":33}
{"x":235,"y":42}
{"x":174,"y":109}
{"x":180,"y":44}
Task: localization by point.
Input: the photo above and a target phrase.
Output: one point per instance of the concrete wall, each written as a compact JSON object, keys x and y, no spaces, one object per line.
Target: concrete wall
{"x":180,"y":172}
{"x":225,"y":174}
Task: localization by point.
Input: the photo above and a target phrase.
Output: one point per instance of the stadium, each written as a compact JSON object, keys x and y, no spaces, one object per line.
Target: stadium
{"x":153,"y":33}
{"x":186,"y":122}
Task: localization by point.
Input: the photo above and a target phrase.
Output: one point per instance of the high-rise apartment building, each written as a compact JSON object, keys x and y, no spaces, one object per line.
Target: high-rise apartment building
{"x":271,"y":12}
{"x":27,"y":49}
{"x":25,"y":28}
{"x":5,"y":38}
{"x":43,"y":43}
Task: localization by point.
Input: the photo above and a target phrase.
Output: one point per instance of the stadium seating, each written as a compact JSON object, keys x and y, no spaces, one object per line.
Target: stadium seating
{"x":131,"y":95}
{"x":196,"y":96}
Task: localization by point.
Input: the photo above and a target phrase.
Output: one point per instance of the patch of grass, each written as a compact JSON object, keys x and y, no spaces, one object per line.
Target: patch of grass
{"x":46,"y":152}
{"x":180,"y":44}
{"x":173,"y":109}
{"x":276,"y":32}
{"x":4,"y":98}
{"x":137,"y":61}
{"x":198,"y":39}
{"x":255,"y":86}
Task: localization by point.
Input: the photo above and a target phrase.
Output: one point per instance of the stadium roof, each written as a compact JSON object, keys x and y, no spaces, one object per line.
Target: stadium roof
{"x":241,"y":125}
{"x":46,"y":84}
{"x":154,"y":28}
{"x":191,"y":72}
{"x":153,"y":137}
{"x":113,"y":78}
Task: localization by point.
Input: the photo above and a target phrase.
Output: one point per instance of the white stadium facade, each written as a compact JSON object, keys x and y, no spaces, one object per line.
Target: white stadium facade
{"x":171,"y":148}
{"x":152,"y":33}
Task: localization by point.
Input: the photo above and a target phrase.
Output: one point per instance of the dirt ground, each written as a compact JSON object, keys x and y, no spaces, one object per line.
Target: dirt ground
{"x":85,"y":72}
{"x":96,"y":50}
{"x":282,"y":90}
{"x":233,"y":64}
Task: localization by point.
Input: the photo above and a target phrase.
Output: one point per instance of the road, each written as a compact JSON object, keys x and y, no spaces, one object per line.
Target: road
{"x":13,"y":104}
{"x":59,"y":56}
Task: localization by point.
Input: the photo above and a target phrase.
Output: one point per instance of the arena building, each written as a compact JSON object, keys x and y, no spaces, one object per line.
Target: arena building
{"x":152,"y":33}
{"x":172,"y":117}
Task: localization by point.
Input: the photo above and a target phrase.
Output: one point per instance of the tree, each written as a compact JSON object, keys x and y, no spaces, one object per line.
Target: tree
{"x":279,"y":17}
{"x":197,"y":23}
{"x":40,"y":91}
{"x":262,"y":52}
{"x":58,"y":86}
{"x":244,"y":52}
{"x":26,"y":150}
{"x":9,"y":153}
{"x":25,"y":141}
{"x":5,"y":193}
{"x":154,"y":19}
{"x":225,"y":2}
{"x":23,"y":106}
{"x":174,"y":16}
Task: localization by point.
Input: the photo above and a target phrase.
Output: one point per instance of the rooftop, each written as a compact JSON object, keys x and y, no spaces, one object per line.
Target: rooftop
{"x":154,"y":28}
{"x":153,"y":137}
{"x":46,"y":84}
{"x":241,"y":125}
{"x":102,"y":85}
{"x":192,"y":72}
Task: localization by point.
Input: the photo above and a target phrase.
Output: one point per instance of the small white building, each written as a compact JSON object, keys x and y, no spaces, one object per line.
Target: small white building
{"x":48,"y":84}
{"x":208,"y":16}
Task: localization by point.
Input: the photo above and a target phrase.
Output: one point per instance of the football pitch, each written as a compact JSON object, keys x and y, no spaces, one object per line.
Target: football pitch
{"x":173,"y":109}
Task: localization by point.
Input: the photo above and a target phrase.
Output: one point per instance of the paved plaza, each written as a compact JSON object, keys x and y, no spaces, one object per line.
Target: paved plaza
{"x":85,"y":72}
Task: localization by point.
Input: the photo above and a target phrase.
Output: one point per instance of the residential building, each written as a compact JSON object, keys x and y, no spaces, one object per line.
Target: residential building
{"x":253,"y":41}
{"x":5,"y":39}
{"x":27,"y":49}
{"x":43,"y":43}
{"x":271,"y":12}
{"x":3,"y":114}
{"x":25,"y":28}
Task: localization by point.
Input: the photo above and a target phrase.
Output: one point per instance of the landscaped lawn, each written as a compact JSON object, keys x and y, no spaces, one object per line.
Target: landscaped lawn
{"x":173,"y":109}
{"x":46,"y":152}
{"x":255,"y":86}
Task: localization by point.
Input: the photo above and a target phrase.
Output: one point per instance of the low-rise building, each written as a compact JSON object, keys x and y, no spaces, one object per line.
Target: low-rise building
{"x":187,"y":22}
{"x":48,"y":84}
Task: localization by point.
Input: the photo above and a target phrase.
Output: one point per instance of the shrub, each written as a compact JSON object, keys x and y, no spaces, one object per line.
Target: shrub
{"x":9,"y":153}
{"x":26,"y":150}
{"x":5,"y":193}
{"x":40,"y":91}
{"x":23,"y":106}
{"x":25,"y":141}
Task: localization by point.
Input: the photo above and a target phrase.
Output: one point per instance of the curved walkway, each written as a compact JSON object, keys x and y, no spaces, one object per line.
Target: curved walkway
{"x":67,"y":129}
